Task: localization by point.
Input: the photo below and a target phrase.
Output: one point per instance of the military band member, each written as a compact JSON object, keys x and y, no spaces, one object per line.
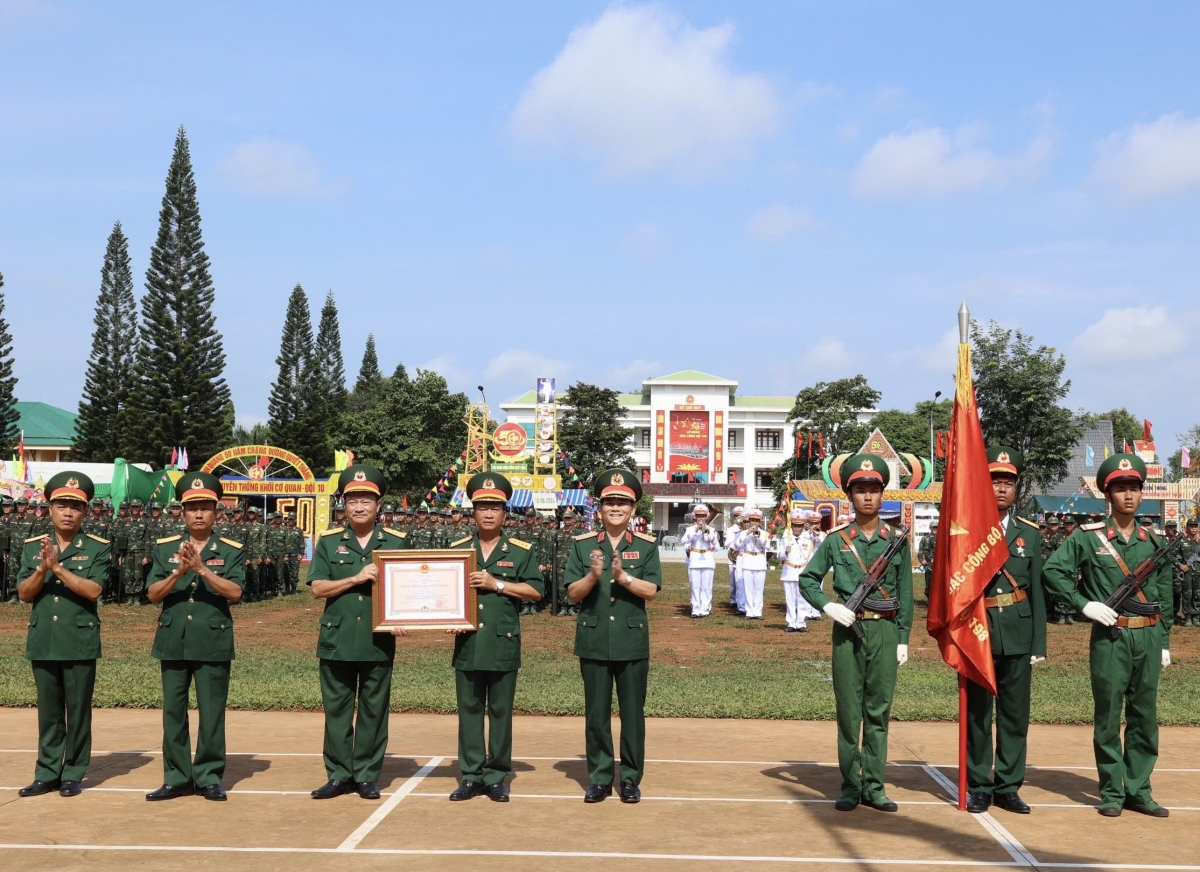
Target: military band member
{"x":355,"y":662}
{"x":62,"y":575}
{"x":752,"y":546}
{"x":615,"y":573}
{"x":486,"y":660}
{"x":700,"y":545}
{"x":195,"y":577}
{"x":796,"y":547}
{"x":1125,"y":670}
{"x":737,"y":595}
{"x":864,"y":670}
{"x":1017,"y":634}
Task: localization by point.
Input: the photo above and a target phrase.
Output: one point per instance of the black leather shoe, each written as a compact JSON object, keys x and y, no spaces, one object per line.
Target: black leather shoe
{"x":789,"y":629}
{"x":367,"y":789}
{"x":214,"y":792}
{"x":1151,"y":808}
{"x":630,"y":792}
{"x":467,"y":790}
{"x":1109,"y":810}
{"x":171,"y":791}
{"x":845,"y":804}
{"x":38,"y":788}
{"x":597,"y":792}
{"x":70,"y":788}
{"x":330,"y":789}
{"x":978,"y":803}
{"x":498,"y":792}
{"x":881,"y":804}
{"x":1012,"y":801}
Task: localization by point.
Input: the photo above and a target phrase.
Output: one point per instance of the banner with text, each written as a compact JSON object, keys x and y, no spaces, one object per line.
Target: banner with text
{"x":689,"y":442}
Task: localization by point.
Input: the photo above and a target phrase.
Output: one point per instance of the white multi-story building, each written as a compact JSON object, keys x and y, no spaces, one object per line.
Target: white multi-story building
{"x":691,"y":431}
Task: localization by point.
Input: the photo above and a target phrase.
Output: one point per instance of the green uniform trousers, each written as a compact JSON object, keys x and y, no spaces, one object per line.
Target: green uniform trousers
{"x":1014,"y":676}
{"x":630,"y":677}
{"x":64,"y":704}
{"x":212,"y":691}
{"x":478,"y":690}
{"x":1189,"y":594}
{"x":864,"y":681}
{"x":1125,"y":670}
{"x":354,"y":748}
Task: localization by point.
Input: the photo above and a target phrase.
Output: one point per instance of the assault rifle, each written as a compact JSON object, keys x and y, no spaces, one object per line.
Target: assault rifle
{"x":1125,"y":596}
{"x":872,"y":578}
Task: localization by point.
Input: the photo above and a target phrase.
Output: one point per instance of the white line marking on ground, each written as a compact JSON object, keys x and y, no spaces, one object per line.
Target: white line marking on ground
{"x":1007,"y":840}
{"x":390,"y":803}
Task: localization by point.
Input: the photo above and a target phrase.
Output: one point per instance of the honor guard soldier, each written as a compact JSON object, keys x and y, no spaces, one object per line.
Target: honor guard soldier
{"x":62,"y":575}
{"x":1124,"y":670}
{"x":195,"y":577}
{"x":700,"y":544}
{"x":796,"y":547}
{"x":864,"y":669}
{"x":614,"y":574}
{"x":486,"y":659}
{"x":355,"y":662}
{"x":1017,"y":634}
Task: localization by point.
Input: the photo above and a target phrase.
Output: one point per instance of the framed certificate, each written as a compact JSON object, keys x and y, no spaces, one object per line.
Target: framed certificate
{"x":425,"y":590}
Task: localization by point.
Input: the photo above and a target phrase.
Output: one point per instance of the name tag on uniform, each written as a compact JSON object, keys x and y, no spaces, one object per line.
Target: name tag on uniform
{"x":79,"y":557}
{"x":173,"y":560}
{"x":342,"y":549}
{"x":214,"y":562}
{"x":507,"y":563}
{"x":630,"y":555}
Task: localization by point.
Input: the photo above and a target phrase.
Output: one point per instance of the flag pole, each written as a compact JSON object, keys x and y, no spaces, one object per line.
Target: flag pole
{"x":964,"y":324}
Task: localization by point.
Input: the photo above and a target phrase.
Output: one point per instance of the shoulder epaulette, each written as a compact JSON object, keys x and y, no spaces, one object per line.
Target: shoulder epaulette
{"x":397,"y":533}
{"x":838,"y":527}
{"x":1029,"y":523}
{"x":166,"y":539}
{"x":97,"y":538}
{"x":645,"y":537}
{"x":331,"y":531}
{"x":582,"y":536}
{"x":36,"y":538}
{"x":463,"y":541}
{"x":1098,"y":525}
{"x":521,"y":543}
{"x":233,"y":543}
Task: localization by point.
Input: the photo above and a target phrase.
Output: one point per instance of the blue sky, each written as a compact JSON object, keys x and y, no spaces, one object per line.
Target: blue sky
{"x":777,"y":193}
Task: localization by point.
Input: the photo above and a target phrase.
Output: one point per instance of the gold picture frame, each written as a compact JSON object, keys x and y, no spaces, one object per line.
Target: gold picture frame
{"x":425,"y":590}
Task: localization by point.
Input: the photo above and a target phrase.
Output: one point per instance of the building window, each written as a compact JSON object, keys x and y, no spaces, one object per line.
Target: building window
{"x":767,"y":440}
{"x":733,"y":438}
{"x":762,"y":479}
{"x":645,"y":437}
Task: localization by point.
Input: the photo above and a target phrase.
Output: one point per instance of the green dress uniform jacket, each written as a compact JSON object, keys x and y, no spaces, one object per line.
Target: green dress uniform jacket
{"x":63,"y":643}
{"x":1124,"y":670}
{"x":355,"y":663}
{"x":194,"y":642}
{"x":1017,"y":631}
{"x":612,"y":642}
{"x":864,"y":670}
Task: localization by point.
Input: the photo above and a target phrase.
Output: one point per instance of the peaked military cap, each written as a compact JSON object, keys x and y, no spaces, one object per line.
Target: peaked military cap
{"x":1002,"y":459}
{"x":864,"y":467}
{"x":362,"y":478}
{"x":70,"y":485}
{"x":618,"y":483}
{"x":489,"y":487}
{"x":1120,"y":467}
{"x":193,"y":486}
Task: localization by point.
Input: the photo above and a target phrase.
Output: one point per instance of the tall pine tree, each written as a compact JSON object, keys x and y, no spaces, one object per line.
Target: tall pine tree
{"x":103,"y":430}
{"x":182,"y":398}
{"x":286,"y":407}
{"x":8,"y":385}
{"x":329,"y":355}
{"x":369,"y":386}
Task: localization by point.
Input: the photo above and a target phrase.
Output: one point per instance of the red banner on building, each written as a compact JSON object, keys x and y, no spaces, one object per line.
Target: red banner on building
{"x":660,"y":442}
{"x":689,"y":442}
{"x":718,"y":442}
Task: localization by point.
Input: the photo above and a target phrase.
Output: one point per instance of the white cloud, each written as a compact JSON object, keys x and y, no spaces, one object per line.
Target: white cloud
{"x":267,"y":166}
{"x":514,"y":365}
{"x":776,"y":222}
{"x":631,"y":376}
{"x":1152,"y":160}
{"x":930,"y":162}
{"x":940,"y":358}
{"x":646,"y":241}
{"x":828,"y":357}
{"x":641,"y":89}
{"x":1136,"y":334}
{"x":449,"y":368}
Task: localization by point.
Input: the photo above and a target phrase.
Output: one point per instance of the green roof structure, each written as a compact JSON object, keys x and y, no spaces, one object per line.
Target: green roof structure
{"x":46,"y":425}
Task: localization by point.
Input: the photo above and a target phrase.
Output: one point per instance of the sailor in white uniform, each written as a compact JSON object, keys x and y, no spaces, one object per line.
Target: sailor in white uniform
{"x":796,"y":547}
{"x":737,"y":598}
{"x":752,"y":563}
{"x":700,"y":544}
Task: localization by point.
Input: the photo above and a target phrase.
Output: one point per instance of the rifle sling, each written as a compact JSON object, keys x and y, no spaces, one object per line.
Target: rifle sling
{"x":863,"y":566}
{"x":1120,"y":563}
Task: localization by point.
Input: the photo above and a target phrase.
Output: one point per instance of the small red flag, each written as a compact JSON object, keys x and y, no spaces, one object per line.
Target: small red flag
{"x":821,"y":445}
{"x":404,"y":501}
{"x":799,"y":443}
{"x":1146,"y":425}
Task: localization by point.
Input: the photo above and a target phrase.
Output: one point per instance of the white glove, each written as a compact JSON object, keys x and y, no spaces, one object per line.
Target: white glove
{"x":839,"y":613}
{"x":1034,"y":660}
{"x":1100,"y":613}
{"x":1166,"y":658}
{"x":901,"y":654}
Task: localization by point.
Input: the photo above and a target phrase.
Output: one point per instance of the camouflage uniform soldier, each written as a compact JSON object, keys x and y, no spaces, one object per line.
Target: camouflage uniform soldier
{"x":562,"y":550}
{"x":422,"y":534}
{"x":137,"y":554}
{"x":98,"y":523}
{"x":275,"y":549}
{"x":1188,"y":574}
{"x":8,"y":586}
{"x":294,"y":547}
{"x":338,"y":519}
{"x":41,"y":522}
{"x":175,"y":524}
{"x":255,"y":545}
{"x":441,"y":530}
{"x":1056,"y":607}
{"x":925,"y":554}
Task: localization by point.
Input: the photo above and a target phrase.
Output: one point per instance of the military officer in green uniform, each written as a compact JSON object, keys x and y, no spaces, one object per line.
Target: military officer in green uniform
{"x":486,"y":659}
{"x":355,"y":662}
{"x":864,"y":670}
{"x":1017,"y":632}
{"x":195,"y":577}
{"x":62,"y":575}
{"x":1124,"y":670}
{"x":613,"y":575}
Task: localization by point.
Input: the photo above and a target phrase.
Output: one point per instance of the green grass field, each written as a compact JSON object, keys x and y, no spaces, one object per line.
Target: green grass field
{"x":722,"y":667}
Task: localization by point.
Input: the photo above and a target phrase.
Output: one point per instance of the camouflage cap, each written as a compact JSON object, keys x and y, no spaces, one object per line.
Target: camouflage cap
{"x":136,"y":504}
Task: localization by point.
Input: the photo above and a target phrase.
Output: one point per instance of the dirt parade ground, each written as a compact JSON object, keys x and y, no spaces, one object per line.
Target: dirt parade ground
{"x":718,"y":794}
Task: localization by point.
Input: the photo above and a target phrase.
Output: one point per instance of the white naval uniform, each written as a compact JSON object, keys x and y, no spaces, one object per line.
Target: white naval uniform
{"x":737,"y":594}
{"x":794,"y":554}
{"x":700,"y":545}
{"x":752,"y":569}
